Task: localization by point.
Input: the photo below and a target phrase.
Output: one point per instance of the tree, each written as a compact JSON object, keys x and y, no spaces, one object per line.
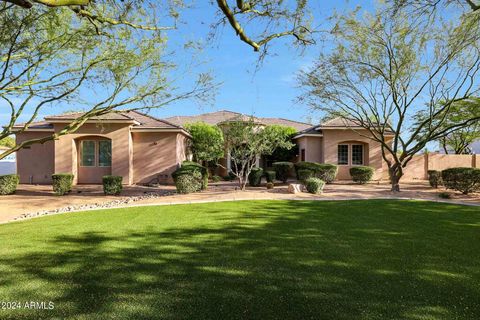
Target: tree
{"x":459,"y":141}
{"x":283,"y":154}
{"x":48,"y":57}
{"x":207,"y":142}
{"x":7,"y":142}
{"x":247,"y":140}
{"x":383,"y":71}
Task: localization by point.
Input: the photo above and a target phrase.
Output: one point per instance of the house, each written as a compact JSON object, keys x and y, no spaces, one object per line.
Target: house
{"x":7,"y":164}
{"x":144,"y":149}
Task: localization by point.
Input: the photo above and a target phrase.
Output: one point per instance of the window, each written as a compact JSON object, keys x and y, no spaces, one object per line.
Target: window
{"x":343,"y":154}
{"x":104,"y":153}
{"x":357,"y":154}
{"x":302,"y":155}
{"x":87,"y":154}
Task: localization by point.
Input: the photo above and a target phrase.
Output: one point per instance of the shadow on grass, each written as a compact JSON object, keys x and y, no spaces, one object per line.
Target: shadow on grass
{"x":270,"y":260}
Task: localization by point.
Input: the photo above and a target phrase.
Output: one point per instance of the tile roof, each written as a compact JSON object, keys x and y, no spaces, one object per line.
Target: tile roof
{"x":226,"y":116}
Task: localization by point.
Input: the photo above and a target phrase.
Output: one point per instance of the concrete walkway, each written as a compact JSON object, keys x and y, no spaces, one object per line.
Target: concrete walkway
{"x":30,"y":199}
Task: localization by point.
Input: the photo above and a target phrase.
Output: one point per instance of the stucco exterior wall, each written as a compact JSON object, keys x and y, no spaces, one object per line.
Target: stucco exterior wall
{"x":66,"y":148}
{"x":313,"y":148}
{"x":155,"y":155}
{"x":38,"y":161}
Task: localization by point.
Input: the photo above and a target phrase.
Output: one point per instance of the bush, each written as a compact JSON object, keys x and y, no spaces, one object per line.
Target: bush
{"x":282,"y":170}
{"x":187,"y":181}
{"x":270,"y":185}
{"x":327,"y":172}
{"x":229,"y":177}
{"x":62,"y":183}
{"x":270,"y":175}
{"x":8,"y":184}
{"x":362,"y":174}
{"x":435,"y":178}
{"x":216,"y":178}
{"x":304,"y":174}
{"x":190,"y":166}
{"x":112,"y":185}
{"x":255,"y":177}
{"x":465,"y":180}
{"x":314,"y":185}
{"x":444,"y":195}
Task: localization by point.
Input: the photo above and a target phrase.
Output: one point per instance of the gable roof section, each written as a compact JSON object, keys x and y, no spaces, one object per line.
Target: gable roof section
{"x":221,"y":116}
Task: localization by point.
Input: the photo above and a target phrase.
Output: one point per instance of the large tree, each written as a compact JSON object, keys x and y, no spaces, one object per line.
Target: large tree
{"x":248,"y":140}
{"x":382,"y":72}
{"x":207,"y":144}
{"x":50,"y":57}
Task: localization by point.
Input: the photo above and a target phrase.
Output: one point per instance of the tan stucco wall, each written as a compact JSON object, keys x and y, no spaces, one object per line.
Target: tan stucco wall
{"x":156,"y":155}
{"x":66,"y":154}
{"x":313,"y":148}
{"x":37,"y":161}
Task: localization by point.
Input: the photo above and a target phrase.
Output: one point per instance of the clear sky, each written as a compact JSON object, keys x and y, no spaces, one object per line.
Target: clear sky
{"x":271,"y":91}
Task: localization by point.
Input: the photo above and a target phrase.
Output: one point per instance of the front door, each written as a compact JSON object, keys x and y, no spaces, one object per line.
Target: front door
{"x":94,"y":160}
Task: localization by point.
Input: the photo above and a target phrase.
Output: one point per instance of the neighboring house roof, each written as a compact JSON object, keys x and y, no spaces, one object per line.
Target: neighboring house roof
{"x":221,"y":116}
{"x":140,"y":121}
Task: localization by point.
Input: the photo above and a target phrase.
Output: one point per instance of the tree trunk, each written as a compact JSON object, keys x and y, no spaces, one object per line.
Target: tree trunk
{"x":396,"y":174}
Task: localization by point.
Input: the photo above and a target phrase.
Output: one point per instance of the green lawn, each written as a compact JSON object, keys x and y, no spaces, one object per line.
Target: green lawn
{"x":251,"y":259}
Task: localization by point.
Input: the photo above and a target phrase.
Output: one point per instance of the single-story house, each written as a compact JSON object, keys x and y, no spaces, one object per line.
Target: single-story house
{"x":144,"y":149}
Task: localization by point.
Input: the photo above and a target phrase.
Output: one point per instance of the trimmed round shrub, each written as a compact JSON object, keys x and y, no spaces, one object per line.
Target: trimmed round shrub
{"x":362,"y":174}
{"x":435,"y":178}
{"x":255,"y":177}
{"x":270,"y":175}
{"x":327,"y":172}
{"x":304,"y":174}
{"x":112,"y":185}
{"x":314,"y":185}
{"x":8,"y":184}
{"x":190,"y":166}
{"x":312,"y":166}
{"x":188,"y":181}
{"x":216,"y":178}
{"x":465,"y":180}
{"x":282,"y":170}
{"x":270,"y":185}
{"x":62,"y":183}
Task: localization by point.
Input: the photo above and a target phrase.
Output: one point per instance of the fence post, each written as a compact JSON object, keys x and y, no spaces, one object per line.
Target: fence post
{"x":425,"y":166}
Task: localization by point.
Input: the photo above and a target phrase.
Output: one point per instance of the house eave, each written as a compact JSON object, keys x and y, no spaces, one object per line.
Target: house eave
{"x":308,"y":135}
{"x":154,"y":129}
{"x":94,"y":121}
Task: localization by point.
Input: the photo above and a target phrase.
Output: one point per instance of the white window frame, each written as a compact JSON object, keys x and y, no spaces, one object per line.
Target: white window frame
{"x":98,"y":153}
{"x":94,"y":154}
{"x":363,"y":155}
{"x":348,"y":154}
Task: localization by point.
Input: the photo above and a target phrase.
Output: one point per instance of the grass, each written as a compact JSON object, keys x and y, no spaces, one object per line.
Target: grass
{"x":243,"y":260}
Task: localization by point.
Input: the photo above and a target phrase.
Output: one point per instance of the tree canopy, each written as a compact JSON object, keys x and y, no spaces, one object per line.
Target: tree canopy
{"x":207,"y":142}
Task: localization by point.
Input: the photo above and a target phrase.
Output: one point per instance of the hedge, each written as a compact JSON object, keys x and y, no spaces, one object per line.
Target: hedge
{"x":314,"y":185}
{"x":362,"y":174}
{"x":188,"y":181}
{"x":255,"y":177}
{"x":8,"y":184}
{"x":112,"y":185}
{"x":270,"y":175}
{"x":190,"y":166}
{"x":325,"y":171}
{"x":62,"y":183}
{"x":465,"y":180}
{"x":282,"y":170}
{"x":304,"y":174}
{"x":435,"y":178}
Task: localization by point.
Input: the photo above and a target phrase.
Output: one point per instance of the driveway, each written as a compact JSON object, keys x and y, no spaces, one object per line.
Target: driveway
{"x":30,"y":198}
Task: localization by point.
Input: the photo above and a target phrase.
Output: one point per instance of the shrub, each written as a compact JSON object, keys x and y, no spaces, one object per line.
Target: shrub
{"x":255,"y":177}
{"x":190,"y":166}
{"x":465,"y":180}
{"x":444,"y":195}
{"x":187,"y":181}
{"x":282,"y":170}
{"x":229,"y":177}
{"x":304,"y":174}
{"x":112,"y":185}
{"x":327,"y":172}
{"x":314,"y":185}
{"x":270,"y":185}
{"x":216,"y":178}
{"x":435,"y":178}
{"x":8,"y":184}
{"x":362,"y":174}
{"x":62,"y":183}
{"x":270,"y":175}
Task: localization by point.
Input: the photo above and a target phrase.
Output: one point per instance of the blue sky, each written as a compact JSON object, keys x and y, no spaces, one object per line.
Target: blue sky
{"x":270,"y":91}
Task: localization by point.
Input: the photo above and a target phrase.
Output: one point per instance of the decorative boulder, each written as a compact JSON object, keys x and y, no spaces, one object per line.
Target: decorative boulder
{"x":294,"y":188}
